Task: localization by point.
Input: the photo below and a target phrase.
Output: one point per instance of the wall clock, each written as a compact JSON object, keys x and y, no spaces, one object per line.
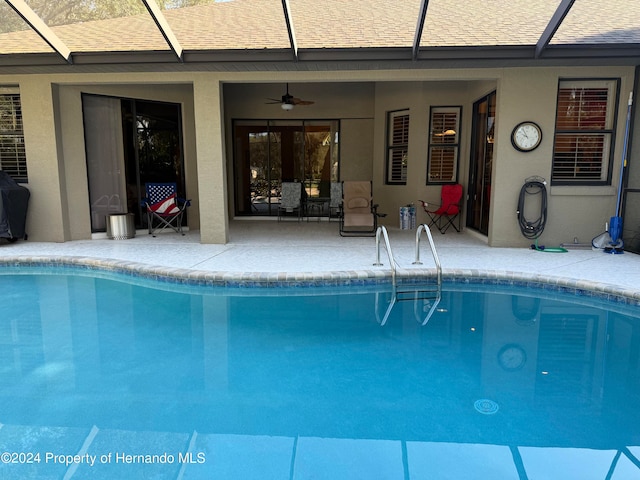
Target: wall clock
{"x":512,"y":357}
{"x":526,"y":136}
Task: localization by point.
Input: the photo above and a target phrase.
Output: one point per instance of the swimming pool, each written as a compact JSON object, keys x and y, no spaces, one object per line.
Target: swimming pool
{"x":117,"y":377}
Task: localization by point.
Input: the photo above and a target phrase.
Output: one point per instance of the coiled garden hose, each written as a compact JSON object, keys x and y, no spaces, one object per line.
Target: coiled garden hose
{"x":533,"y":229}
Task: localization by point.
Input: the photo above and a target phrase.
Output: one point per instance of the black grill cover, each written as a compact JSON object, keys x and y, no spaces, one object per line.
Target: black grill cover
{"x":14,"y":200}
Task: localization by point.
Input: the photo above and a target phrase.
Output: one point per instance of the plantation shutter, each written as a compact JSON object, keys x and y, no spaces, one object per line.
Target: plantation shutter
{"x":13,"y":159}
{"x":584,"y":132}
{"x":443,"y":145}
{"x":398,"y":147}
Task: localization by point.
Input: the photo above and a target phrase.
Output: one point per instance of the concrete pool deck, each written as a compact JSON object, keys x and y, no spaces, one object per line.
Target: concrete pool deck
{"x":264,"y":250}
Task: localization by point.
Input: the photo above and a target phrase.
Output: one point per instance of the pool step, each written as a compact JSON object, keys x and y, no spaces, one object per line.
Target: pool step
{"x":425,"y":291}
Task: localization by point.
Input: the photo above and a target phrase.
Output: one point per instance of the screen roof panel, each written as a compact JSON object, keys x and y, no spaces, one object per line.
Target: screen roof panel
{"x":486,"y":22}
{"x":337,"y":24}
{"x":214,"y":31}
{"x":100,"y":26}
{"x":616,"y":22}
{"x":17,"y":36}
{"x":230,"y":24}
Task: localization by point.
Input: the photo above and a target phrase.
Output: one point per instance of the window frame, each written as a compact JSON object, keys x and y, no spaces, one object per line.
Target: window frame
{"x":393,"y":147}
{"x":432,"y":146}
{"x":608,"y":133}
{"x":16,"y":165}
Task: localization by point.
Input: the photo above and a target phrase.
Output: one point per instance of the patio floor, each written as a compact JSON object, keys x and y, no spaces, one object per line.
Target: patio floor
{"x":288,"y":247}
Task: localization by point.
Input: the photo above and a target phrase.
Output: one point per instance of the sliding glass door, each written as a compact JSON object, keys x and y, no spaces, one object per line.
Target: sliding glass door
{"x":269,"y":152}
{"x":104,"y":146}
{"x":129,"y":143}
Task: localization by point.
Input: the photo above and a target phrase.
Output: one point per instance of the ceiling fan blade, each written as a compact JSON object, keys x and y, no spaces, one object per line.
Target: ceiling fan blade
{"x":288,"y":99}
{"x":297,"y":101}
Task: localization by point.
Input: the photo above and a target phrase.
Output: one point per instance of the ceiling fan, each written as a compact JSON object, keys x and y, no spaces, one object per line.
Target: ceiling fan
{"x":288,"y":101}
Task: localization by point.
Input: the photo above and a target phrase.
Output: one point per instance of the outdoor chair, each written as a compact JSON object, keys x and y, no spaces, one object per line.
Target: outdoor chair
{"x":290,"y":200}
{"x":358,"y":214}
{"x":164,"y":208}
{"x":447,"y":211}
{"x":335,"y":200}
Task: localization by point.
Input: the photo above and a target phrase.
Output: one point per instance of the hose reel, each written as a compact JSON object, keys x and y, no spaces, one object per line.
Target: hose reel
{"x":533,"y":186}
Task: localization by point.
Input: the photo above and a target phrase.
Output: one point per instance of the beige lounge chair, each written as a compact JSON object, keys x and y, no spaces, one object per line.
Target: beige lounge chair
{"x":358,"y":216}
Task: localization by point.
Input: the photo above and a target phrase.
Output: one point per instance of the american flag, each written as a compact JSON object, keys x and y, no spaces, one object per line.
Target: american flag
{"x":162,"y":198}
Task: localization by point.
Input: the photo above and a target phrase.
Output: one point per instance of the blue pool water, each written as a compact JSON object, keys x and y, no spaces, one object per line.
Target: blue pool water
{"x":102,"y":378}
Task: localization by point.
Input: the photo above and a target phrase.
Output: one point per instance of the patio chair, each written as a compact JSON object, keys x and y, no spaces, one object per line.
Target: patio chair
{"x":358,"y":214}
{"x":290,"y":200}
{"x":335,"y":200}
{"x":447,"y":211}
{"x":164,"y":208}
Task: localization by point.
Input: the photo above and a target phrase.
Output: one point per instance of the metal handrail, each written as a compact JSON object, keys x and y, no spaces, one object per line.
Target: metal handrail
{"x":432,"y":309}
{"x":382,"y":230}
{"x":417,"y":261}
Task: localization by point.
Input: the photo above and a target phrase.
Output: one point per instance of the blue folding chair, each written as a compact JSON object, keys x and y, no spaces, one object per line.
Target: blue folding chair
{"x":164,"y":208}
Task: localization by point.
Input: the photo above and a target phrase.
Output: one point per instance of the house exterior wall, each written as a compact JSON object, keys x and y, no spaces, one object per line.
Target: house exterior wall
{"x":71,"y":138}
{"x":573,"y":211}
{"x":418,"y":97}
{"x":52,"y":112}
{"x":46,"y":218}
{"x":351,"y":103}
{"x":56,"y":159}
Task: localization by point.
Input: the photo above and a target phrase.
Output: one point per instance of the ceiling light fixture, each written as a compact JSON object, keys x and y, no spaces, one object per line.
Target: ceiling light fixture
{"x":287,"y":106}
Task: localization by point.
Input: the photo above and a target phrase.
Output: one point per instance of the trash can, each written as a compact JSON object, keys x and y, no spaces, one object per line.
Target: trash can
{"x":120,"y":226}
{"x":407,"y":217}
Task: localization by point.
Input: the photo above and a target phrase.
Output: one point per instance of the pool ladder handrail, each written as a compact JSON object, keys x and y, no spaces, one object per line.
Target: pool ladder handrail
{"x":434,"y":252}
{"x":382,"y":231}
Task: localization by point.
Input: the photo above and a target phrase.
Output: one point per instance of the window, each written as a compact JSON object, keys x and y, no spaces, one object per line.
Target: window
{"x":585,"y":122}
{"x":444,"y":143}
{"x":397,"y":147}
{"x":12,"y":155}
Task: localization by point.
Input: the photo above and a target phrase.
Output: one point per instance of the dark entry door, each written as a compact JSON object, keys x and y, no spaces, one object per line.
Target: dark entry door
{"x":484,"y":115}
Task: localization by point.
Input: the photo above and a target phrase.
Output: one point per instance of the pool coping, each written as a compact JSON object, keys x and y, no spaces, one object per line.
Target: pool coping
{"x":185,"y":276}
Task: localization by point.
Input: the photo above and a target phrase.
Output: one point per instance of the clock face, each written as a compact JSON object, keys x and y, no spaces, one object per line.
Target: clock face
{"x":512,"y":357}
{"x":526,"y":136}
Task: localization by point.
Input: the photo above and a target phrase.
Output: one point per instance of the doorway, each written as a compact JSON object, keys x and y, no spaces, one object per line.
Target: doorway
{"x":129,"y":143}
{"x":267,"y":153}
{"x":480,"y":166}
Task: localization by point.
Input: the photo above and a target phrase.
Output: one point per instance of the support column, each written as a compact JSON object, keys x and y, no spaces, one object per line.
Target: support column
{"x":212,"y":179}
{"x":47,"y":218}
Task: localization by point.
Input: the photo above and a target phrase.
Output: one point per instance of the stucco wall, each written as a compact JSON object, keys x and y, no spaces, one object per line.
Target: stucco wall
{"x":73,"y":148}
{"x":351,"y":103}
{"x":359,"y":99}
{"x":580,"y":211}
{"x":54,"y":140}
{"x":418,"y":97}
{"x":46,"y":218}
